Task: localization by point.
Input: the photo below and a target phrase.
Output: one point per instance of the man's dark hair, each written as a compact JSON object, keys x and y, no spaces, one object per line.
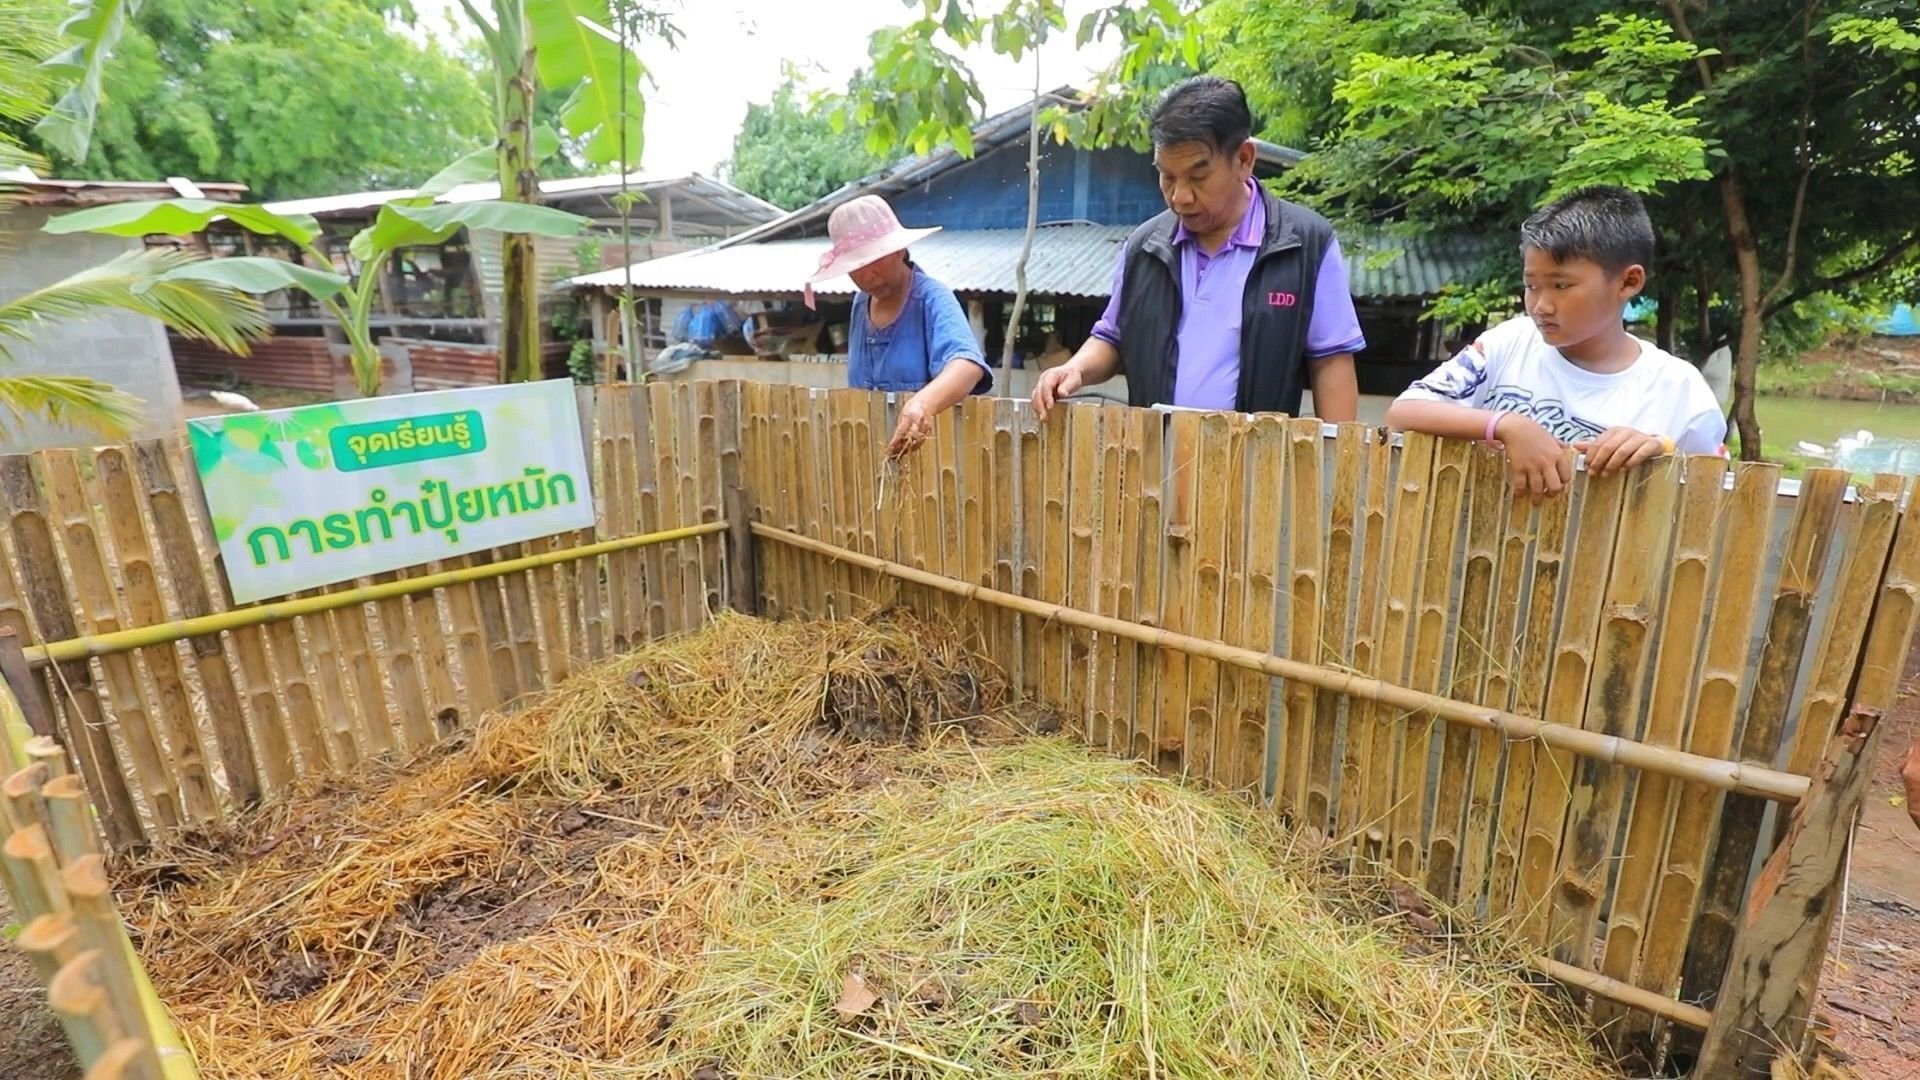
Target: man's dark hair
{"x":1608,"y":225}
{"x":1206,"y":109}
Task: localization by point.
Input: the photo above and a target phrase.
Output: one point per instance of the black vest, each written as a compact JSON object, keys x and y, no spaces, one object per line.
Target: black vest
{"x":1275,"y":310}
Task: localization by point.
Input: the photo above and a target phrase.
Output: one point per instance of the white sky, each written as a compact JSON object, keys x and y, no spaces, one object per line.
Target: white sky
{"x":731,"y":53}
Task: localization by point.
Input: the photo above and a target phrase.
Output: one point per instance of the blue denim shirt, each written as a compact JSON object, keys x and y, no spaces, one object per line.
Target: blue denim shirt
{"x":930,"y":332}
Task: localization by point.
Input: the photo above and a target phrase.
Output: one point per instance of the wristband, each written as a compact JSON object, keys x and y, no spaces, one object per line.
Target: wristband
{"x":1493,"y":421}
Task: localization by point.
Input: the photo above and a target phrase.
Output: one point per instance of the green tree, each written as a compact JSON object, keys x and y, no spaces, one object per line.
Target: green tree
{"x":290,"y":97}
{"x":1776,"y":140}
{"x":789,"y":153}
{"x":142,"y":282}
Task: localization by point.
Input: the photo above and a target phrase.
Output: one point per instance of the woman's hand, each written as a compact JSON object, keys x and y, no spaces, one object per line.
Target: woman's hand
{"x":1537,"y":463}
{"x":916,"y":423}
{"x":1620,"y":448}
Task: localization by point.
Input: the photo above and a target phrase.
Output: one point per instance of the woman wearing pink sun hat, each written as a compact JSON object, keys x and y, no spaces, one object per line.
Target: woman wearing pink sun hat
{"x":908,"y":331}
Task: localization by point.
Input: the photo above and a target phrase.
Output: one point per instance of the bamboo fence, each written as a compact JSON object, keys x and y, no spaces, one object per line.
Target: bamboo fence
{"x":1587,"y":720}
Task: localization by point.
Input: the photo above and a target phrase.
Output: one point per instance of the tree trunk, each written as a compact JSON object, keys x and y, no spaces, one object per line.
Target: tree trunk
{"x":519,"y":182}
{"x":1665,"y":328}
{"x":1746,"y":355}
{"x":1026,"y":242}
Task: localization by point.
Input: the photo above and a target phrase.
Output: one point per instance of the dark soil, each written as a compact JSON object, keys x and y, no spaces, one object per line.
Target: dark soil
{"x":34,"y":1047}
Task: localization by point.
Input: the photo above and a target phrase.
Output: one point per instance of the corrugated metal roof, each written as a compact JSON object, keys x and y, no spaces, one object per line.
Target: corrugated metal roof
{"x":717,"y":193}
{"x":1383,"y":267}
{"x":1067,"y":260}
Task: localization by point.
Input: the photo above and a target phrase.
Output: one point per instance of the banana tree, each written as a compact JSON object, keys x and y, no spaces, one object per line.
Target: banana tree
{"x":157,"y":283}
{"x":558,"y":44}
{"x":402,"y":223}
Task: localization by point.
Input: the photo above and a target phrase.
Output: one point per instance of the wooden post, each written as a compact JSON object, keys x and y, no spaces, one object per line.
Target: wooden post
{"x":29,"y":692}
{"x":1766,"y":996}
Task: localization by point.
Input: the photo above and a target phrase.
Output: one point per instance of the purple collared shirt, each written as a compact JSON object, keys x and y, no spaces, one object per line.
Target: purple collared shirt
{"x":1212,"y":290}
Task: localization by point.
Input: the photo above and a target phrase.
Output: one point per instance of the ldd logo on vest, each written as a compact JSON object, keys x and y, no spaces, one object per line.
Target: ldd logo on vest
{"x":1282,"y":299}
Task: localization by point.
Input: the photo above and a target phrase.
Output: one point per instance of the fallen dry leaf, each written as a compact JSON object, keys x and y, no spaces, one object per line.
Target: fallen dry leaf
{"x":855,"y":998}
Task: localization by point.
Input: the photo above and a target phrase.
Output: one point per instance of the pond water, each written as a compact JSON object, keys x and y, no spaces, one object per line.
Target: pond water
{"x":1895,"y":446}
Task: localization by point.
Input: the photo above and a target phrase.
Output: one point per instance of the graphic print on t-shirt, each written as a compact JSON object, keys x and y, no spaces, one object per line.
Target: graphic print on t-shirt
{"x":1549,"y":413}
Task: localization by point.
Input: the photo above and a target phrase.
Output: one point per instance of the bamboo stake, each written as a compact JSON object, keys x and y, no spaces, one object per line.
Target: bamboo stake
{"x":1006,"y":481}
{"x":45,"y":750}
{"x":172,"y":707}
{"x":1336,"y":618}
{"x":298,"y":748}
{"x":1183,"y":482}
{"x":649,"y":501}
{"x":1613,"y":704}
{"x":1266,"y":453}
{"x":101,"y":932}
{"x":1113,"y":733}
{"x":1083,"y":495}
{"x":1573,"y":654}
{"x":1055,"y":462}
{"x":1357,"y":764}
{"x":946,"y":447}
{"x":1309,"y":735}
{"x":20,"y":801}
{"x":976,"y":501}
{"x":709,"y":490}
{"x":1687,"y":611}
{"x":173,"y":537}
{"x":1722,"y":667}
{"x":442,"y":696}
{"x":28,"y":858}
{"x":613,"y":433}
{"x":1433,"y":614}
{"x":1382,"y":725}
{"x":81,"y":648}
{"x":1532,"y":649}
{"x":1029,"y":460}
{"x":1150,"y":452}
{"x":52,"y":941}
{"x":79,"y":999}
{"x":1712,"y":772}
{"x":52,"y":609}
{"x":67,"y":820}
{"x":126,"y":1059}
{"x":1207,"y":542}
{"x":1230,"y":767}
{"x":1469,"y":763}
{"x":1802,"y":563}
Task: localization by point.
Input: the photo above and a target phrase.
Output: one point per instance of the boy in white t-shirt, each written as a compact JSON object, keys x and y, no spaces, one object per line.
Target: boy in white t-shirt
{"x":1568,"y":373}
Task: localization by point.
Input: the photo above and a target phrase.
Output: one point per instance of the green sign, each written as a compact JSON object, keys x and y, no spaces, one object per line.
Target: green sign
{"x":320,"y":494}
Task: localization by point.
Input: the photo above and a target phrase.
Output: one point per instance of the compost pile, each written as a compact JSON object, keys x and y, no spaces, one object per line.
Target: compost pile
{"x":803,"y":850}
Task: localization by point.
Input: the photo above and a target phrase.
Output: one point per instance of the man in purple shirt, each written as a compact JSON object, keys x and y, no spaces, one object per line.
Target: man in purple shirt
{"x":1231,"y":299}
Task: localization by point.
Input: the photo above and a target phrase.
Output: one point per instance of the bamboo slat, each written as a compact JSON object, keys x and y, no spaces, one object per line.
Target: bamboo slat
{"x":619,"y":515}
{"x":1006,"y":509}
{"x":593,"y":637}
{"x":1309,"y":735}
{"x":881,"y":518}
{"x":786,"y":577}
{"x":924,"y":471}
{"x":1266,"y":500}
{"x":1111,"y":729}
{"x":1229,"y":768}
{"x":1689,"y":578}
{"x":302,"y":749}
{"x":1336,"y":618}
{"x":479,"y":694}
{"x":1614,"y":700}
{"x":1030,"y":449}
{"x":1802,"y":563}
{"x":649,"y":506}
{"x":977,"y":510}
{"x":710,"y":491}
{"x":1469,"y":762}
{"x":660,"y":492}
{"x":228,"y":715}
{"x":173,"y":711}
{"x":1055,"y":446}
{"x":1722,"y":669}
{"x":758,"y":452}
{"x":1357,"y":765}
{"x":1206,"y":547}
{"x":1083,"y":496}
{"x":1433,"y":616}
{"x":1581,"y":608}
{"x":436,"y":657}
{"x":338,"y":714}
{"x":1530,"y":686}
{"x":1150,"y":453}
{"x":96,"y":611}
{"x":949,"y":454}
{"x":812,"y":506}
{"x":415,"y":729}
{"x":46,"y":597}
{"x":682,"y":451}
{"x":1393,"y":650}
{"x":1182,"y":502}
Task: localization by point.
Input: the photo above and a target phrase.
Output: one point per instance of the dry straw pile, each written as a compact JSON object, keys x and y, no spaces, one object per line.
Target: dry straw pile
{"x":802,"y":850}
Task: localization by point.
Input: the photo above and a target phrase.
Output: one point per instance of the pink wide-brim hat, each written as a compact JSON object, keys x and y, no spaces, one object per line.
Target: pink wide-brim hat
{"x":864,"y":230}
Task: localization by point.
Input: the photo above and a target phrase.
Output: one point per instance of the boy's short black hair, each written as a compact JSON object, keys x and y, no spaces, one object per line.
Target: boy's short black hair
{"x":1606,"y":224}
{"x":1206,"y":109}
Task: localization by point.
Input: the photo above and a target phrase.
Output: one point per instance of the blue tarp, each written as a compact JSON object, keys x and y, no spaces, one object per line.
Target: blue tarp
{"x":1900,"y":322}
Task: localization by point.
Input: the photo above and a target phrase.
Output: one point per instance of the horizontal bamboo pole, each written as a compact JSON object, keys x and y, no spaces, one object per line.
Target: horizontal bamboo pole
{"x":1726,"y":775}
{"x":119,"y":641}
{"x":1679,"y":1012}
